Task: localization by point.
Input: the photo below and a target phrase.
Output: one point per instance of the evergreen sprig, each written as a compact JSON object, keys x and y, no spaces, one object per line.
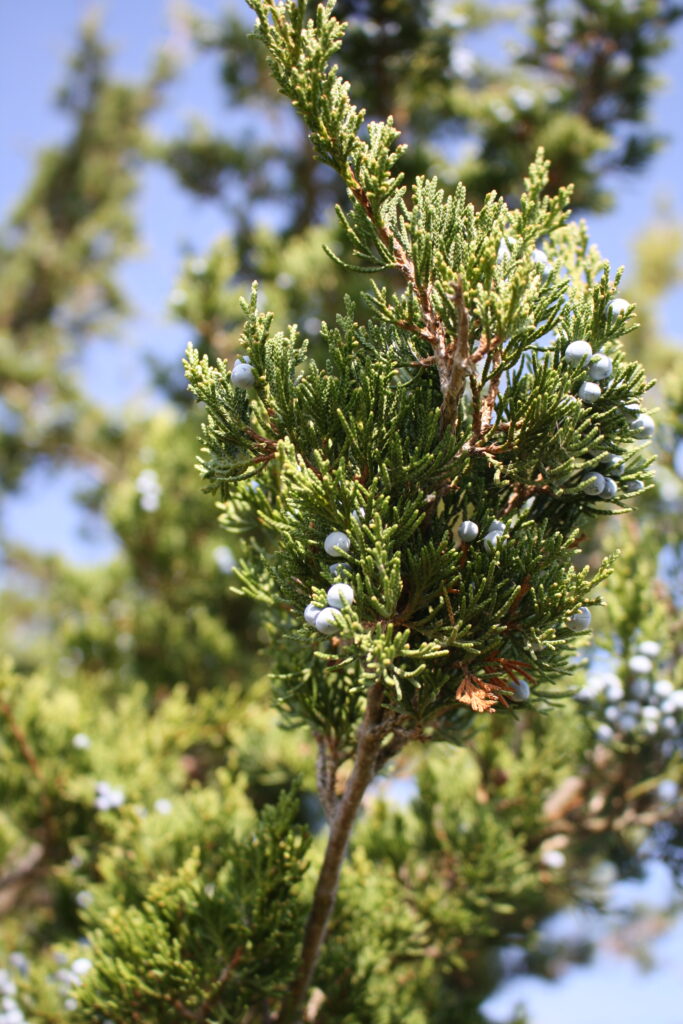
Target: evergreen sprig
{"x":464,"y":399}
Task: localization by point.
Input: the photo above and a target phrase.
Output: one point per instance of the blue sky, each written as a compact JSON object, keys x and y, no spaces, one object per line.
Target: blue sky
{"x":36,"y":37}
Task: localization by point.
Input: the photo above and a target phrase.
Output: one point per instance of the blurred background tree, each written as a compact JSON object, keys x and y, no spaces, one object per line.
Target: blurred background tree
{"x":136,"y":718}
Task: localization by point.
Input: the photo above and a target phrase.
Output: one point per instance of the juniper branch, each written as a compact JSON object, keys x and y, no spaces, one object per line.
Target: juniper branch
{"x":370,"y":735}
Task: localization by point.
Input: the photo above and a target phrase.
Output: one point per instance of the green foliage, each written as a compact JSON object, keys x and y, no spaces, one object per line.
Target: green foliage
{"x":421,"y":451}
{"x":205,"y":943}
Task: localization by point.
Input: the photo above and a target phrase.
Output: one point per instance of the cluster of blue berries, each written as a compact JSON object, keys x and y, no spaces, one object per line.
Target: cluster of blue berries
{"x":602,"y":482}
{"x":149,"y":489}
{"x":10,"y":1010}
{"x":599,"y":367}
{"x":642,"y":707}
{"x":328,"y":619}
{"x":108,"y":797}
{"x":69,"y":977}
{"x":468,"y":532}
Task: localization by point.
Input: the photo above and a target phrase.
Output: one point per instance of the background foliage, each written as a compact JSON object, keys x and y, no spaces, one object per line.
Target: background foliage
{"x":126,"y":842}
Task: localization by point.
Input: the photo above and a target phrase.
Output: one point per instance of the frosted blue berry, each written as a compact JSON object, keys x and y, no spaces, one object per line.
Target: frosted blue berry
{"x":337,"y":543}
{"x":358,"y":514}
{"x":674,"y":703}
{"x":663,"y":688}
{"x":504,"y":249}
{"x":555,"y":860}
{"x":593,"y":483}
{"x":631,"y":410}
{"x":577,"y":351}
{"x":339,"y":568}
{"x":20,"y":961}
{"x":468,"y":531}
{"x":614,"y":688}
{"x":541,"y":260}
{"x":339,"y":595}
{"x":650,"y":648}
{"x":604,"y":732}
{"x":640,"y":689}
{"x":627,"y":722}
{"x":496,"y":527}
{"x":242,"y":375}
{"x":224,"y":558}
{"x":618,"y":307}
{"x":580,"y":620}
{"x":520,"y":690}
{"x":633,"y":486}
{"x":668,"y":791}
{"x":81,"y":965}
{"x":606,"y":683}
{"x":492,"y":538}
{"x":614,"y":465}
{"x":650,"y":713}
{"x":643,"y":426}
{"x":328,"y":621}
{"x":589,"y":392}
{"x":640,"y":664}
{"x":311,"y":613}
{"x":600,"y":367}
{"x":609,"y":491}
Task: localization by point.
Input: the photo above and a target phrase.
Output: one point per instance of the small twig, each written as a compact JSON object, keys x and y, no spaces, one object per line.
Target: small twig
{"x":25,"y":867}
{"x":13,"y":883}
{"x":489,"y":403}
{"x":31,"y":760}
{"x":200,"y":1013}
{"x":524,"y":588}
{"x":520,"y":492}
{"x":460,"y":362}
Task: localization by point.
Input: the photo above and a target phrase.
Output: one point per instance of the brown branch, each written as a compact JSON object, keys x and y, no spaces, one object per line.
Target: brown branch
{"x":13,"y":883}
{"x":200,"y":1013}
{"x":460,"y":362}
{"x":489,"y":403}
{"x":452,"y":359}
{"x":21,"y":741}
{"x":370,"y":735}
{"x":326,"y":778}
{"x":26,"y":866}
{"x":520,"y":492}
{"x":524,"y":588}
{"x":31,"y":760}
